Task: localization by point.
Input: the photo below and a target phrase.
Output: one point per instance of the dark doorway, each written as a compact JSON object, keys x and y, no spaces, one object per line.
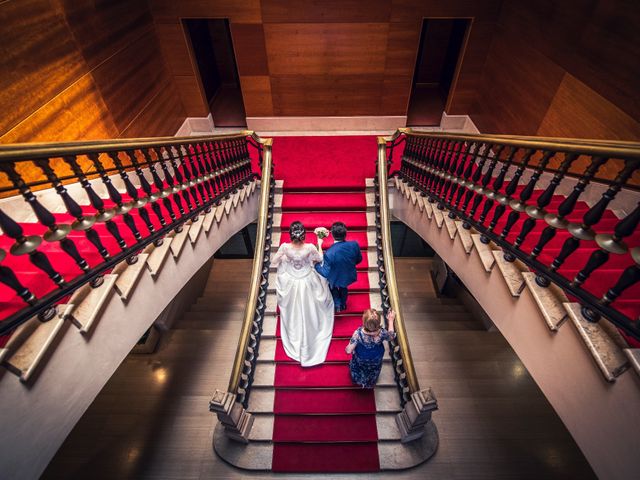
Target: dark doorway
{"x":441,"y":43}
{"x":212,"y":49}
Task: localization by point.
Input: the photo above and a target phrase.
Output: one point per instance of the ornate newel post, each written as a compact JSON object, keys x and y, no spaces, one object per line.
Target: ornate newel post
{"x":416,"y":414}
{"x":236,"y":420}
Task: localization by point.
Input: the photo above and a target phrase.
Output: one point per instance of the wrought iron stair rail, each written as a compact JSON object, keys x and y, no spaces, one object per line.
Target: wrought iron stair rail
{"x":168,"y":181}
{"x":506,"y":188}
{"x":230,"y":406}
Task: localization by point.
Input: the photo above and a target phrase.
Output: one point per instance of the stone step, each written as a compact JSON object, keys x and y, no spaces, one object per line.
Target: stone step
{"x":603,"y":343}
{"x":32,"y":342}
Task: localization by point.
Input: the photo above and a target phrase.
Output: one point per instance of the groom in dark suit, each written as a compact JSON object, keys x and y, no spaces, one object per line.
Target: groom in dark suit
{"x":339,"y":265}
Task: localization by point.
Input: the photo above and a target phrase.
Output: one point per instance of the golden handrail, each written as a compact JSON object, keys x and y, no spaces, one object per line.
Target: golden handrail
{"x":392,"y":288}
{"x":25,"y":151}
{"x":258,"y":259}
{"x":603,"y":148}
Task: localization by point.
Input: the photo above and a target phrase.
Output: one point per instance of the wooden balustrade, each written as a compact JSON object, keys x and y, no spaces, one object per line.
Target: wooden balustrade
{"x":504,"y":188}
{"x":162,"y":183}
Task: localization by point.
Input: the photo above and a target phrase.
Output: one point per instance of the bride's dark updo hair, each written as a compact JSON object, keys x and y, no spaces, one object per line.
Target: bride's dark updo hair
{"x":297,"y":232}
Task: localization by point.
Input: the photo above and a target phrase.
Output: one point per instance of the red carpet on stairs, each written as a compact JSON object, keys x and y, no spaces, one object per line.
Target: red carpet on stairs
{"x":323,"y":423}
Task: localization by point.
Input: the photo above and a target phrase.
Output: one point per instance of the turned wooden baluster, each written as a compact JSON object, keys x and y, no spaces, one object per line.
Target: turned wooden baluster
{"x":104,"y":215}
{"x":215,"y":159}
{"x":10,"y":280}
{"x":466,"y":182}
{"x":506,"y":199}
{"x":174,"y":187}
{"x":521,"y":204}
{"x":146,"y":187}
{"x":186,"y":173}
{"x":473,"y":184}
{"x":29,"y":246}
{"x":192,"y":175}
{"x":122,"y":208}
{"x":538,"y":211}
{"x":484,"y":190}
{"x":182,"y":185}
{"x":161,"y":191}
{"x":449,"y":173}
{"x":57,"y":232}
{"x":215,"y":181}
{"x":132,"y":191}
{"x":559,"y":221}
{"x":441,"y":171}
{"x":630,"y":276}
{"x":83,"y":223}
{"x":584,"y":230}
{"x":608,"y":244}
{"x":205,"y":173}
{"x":457,"y":175}
{"x":494,"y":194}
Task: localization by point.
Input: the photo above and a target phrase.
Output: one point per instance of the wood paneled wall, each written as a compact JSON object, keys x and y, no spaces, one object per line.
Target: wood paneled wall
{"x":83,"y":69}
{"x":563,"y":68}
{"x":329,"y":58}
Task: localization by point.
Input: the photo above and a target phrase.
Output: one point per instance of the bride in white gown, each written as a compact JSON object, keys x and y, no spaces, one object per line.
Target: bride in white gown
{"x":304,"y":298}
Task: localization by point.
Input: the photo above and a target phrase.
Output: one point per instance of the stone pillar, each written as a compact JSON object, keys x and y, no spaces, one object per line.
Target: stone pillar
{"x":236,"y":420}
{"x":416,"y":414}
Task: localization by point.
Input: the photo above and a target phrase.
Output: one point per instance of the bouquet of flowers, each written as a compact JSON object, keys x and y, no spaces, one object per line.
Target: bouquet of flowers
{"x":321,"y":233}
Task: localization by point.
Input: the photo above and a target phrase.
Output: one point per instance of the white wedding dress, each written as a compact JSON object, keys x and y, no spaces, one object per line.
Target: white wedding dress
{"x":306,"y":305}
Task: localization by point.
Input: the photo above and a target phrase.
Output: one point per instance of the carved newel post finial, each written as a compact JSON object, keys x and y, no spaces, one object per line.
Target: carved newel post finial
{"x":236,"y":420}
{"x":416,"y":415}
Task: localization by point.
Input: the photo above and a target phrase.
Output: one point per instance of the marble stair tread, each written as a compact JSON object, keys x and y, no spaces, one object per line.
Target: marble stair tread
{"x":387,"y":398}
{"x":89,"y":302}
{"x":633,"y":354}
{"x":465,"y":237}
{"x":387,"y":426}
{"x":196,"y":228}
{"x":264,"y":375}
{"x":32,"y":341}
{"x":549,"y":300}
{"x":252,"y":456}
{"x":511,"y":272}
{"x":428,"y":207}
{"x":451,"y":226}
{"x":128,"y":276}
{"x":601,"y":342}
{"x":157,"y":256}
{"x":178,"y":240}
{"x":438,"y":216}
{"x":485,"y":252}
{"x":395,"y":455}
{"x":261,"y":400}
{"x":262,"y":429}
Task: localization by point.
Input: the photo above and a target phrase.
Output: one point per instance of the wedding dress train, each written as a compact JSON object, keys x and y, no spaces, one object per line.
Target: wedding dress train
{"x":305,"y":302}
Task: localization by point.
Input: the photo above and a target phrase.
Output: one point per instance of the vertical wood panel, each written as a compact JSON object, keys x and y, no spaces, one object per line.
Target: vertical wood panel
{"x":577,"y":111}
{"x":78,"y":113}
{"x":84,"y":69}
{"x":325,"y":11}
{"x":326,"y":49}
{"x":249,"y":45}
{"x":256,"y":93}
{"x":563,"y":68}
{"x":38,"y":56}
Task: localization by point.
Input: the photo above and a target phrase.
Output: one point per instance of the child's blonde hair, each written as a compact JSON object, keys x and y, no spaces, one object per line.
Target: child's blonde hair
{"x":371,"y":320}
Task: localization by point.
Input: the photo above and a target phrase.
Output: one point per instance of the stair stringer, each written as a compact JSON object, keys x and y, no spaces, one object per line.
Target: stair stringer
{"x":601,"y":417}
{"x":39,"y":416}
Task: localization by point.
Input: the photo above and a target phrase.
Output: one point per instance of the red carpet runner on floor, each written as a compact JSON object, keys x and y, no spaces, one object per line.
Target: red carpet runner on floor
{"x":323,"y":423}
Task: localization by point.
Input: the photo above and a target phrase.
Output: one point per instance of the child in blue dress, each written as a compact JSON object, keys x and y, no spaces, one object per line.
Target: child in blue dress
{"x":366,"y":348}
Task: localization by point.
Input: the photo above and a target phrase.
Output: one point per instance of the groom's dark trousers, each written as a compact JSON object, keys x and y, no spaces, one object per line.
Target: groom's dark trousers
{"x":339,"y":268}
